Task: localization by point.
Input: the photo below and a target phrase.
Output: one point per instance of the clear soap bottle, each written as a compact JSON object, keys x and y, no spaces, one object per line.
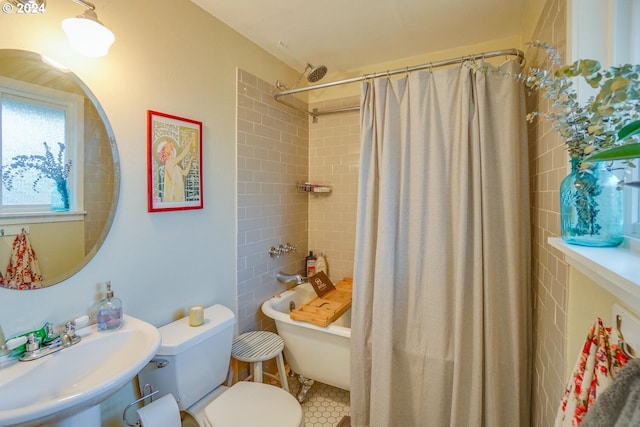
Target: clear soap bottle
{"x":109,"y":312}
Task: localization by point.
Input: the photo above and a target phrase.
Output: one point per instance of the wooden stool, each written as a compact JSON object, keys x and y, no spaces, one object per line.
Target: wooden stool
{"x":256,"y":347}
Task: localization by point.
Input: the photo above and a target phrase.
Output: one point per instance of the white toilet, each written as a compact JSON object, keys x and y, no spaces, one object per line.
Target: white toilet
{"x":198,"y":362}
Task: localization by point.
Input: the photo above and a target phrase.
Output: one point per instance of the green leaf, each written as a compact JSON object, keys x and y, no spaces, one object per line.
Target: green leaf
{"x":630,"y":129}
{"x":622,"y":152}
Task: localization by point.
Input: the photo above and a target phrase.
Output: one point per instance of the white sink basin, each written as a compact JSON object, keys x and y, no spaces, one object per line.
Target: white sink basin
{"x":76,"y":378}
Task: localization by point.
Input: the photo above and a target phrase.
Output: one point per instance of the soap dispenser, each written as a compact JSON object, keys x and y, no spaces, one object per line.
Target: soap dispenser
{"x":109,"y":312}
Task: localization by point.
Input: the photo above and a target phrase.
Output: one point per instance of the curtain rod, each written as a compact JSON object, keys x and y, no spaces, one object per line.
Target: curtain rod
{"x":315,"y":113}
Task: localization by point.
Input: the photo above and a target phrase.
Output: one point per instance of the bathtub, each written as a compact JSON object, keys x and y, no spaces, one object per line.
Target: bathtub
{"x":314,"y":352}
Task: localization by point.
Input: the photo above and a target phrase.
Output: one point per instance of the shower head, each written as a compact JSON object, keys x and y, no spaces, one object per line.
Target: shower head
{"x":315,"y":74}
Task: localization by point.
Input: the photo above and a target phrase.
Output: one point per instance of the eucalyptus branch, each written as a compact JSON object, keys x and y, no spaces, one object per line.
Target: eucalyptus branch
{"x":47,"y":166}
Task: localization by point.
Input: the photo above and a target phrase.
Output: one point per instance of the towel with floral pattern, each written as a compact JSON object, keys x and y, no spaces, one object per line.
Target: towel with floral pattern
{"x":600,"y":359}
{"x":23,"y":271}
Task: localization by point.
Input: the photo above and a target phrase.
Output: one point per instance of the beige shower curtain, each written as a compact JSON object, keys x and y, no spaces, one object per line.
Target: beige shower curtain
{"x":441,"y":313}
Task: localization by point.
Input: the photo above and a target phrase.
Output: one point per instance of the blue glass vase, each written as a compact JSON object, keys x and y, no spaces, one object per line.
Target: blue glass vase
{"x":60,"y":197}
{"x":591,"y":207}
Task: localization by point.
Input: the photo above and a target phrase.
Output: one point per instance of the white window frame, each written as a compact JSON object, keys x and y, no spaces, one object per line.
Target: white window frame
{"x":627,"y":50}
{"x":73,"y":105}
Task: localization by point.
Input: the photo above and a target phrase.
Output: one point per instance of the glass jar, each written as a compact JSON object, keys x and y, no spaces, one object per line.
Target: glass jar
{"x":591,"y":206}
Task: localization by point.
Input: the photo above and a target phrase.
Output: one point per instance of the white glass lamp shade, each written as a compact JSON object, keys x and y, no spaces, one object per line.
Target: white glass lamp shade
{"x":87,"y":35}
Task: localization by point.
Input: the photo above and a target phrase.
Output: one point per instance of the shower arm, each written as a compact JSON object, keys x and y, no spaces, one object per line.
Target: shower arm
{"x":315,"y":113}
{"x":308,"y":67}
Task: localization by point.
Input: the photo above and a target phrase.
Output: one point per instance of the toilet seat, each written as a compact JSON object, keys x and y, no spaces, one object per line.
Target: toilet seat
{"x":256,"y":405}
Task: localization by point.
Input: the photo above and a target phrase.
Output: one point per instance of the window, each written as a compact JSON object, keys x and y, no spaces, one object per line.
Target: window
{"x":627,"y":50}
{"x":39,"y":121}
{"x":609,"y":31}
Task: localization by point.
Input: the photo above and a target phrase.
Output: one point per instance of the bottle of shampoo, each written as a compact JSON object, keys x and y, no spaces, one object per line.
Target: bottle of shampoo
{"x":311,"y":264}
{"x":321,"y":264}
{"x":109,"y":312}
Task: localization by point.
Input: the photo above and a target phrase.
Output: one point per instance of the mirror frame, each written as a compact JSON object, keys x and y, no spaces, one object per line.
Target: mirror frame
{"x":33,"y":56}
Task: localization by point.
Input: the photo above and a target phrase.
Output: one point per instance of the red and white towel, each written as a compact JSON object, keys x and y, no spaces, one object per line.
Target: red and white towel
{"x":23,"y":271}
{"x":600,"y":359}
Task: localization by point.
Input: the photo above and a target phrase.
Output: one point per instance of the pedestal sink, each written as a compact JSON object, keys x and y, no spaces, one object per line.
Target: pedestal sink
{"x":66,"y":388}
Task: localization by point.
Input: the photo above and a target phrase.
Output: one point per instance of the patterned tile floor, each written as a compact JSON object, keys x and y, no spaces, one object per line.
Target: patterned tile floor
{"x":325,"y":405}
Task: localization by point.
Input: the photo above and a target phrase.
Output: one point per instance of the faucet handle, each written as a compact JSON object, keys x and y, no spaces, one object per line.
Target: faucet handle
{"x":69,"y":327}
{"x":69,"y":336}
{"x":33,"y":343}
{"x":290,"y":248}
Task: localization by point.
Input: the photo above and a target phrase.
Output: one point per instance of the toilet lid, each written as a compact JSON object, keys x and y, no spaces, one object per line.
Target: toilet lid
{"x":255,"y":405}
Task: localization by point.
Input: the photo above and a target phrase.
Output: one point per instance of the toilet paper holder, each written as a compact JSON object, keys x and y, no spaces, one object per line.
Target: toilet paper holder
{"x":146,"y":395}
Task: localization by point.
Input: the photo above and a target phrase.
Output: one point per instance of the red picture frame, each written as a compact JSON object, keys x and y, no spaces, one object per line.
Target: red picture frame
{"x":174,"y":162}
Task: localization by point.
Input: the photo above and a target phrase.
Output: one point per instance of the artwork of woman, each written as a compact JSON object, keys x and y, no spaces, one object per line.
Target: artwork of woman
{"x":174,"y":171}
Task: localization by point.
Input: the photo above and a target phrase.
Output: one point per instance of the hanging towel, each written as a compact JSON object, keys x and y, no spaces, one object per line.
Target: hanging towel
{"x":600,"y":359}
{"x":618,"y":405}
{"x":23,"y":271}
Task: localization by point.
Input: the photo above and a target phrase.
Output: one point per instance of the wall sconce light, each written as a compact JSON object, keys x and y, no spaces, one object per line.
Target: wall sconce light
{"x":86,"y":34}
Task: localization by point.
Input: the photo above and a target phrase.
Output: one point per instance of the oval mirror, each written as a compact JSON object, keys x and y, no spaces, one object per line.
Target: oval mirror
{"x":60,"y":172}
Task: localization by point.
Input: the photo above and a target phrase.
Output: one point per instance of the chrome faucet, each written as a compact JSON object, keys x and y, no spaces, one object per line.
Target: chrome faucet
{"x":36,"y":348}
{"x":35,"y":351}
{"x":288,"y":278}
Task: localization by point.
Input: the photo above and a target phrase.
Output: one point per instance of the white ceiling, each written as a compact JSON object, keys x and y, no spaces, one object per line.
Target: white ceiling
{"x":351,"y":34}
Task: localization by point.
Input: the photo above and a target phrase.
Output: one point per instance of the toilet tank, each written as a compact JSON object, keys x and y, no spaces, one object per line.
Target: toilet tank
{"x":198,"y":357}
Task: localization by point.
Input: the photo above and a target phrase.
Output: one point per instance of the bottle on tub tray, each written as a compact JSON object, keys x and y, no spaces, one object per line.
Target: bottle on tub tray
{"x":321,"y":264}
{"x":311,"y":264}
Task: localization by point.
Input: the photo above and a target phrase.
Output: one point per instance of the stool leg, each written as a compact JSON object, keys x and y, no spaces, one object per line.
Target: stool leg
{"x":257,"y":374}
{"x":230,"y":379}
{"x":251,"y":373}
{"x":283,"y":373}
{"x":230,"y":374}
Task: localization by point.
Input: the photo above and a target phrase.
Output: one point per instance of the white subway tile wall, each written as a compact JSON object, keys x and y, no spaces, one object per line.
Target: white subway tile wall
{"x":273,"y":155}
{"x":548,"y":166}
{"x":334,"y":158}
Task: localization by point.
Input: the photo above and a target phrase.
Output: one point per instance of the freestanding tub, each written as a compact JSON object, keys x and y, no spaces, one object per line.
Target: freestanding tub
{"x":314,"y":352}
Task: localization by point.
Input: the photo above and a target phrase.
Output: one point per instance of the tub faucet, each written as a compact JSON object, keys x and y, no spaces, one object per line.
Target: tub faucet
{"x":288,"y":278}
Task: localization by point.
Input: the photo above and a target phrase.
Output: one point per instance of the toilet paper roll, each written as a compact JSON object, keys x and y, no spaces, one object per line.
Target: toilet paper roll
{"x":163,"y":412}
{"x":196,"y":315}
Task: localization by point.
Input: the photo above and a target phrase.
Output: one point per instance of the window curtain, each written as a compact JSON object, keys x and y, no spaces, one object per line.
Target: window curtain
{"x":441,"y":305}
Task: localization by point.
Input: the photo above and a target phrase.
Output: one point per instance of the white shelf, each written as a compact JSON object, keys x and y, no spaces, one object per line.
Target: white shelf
{"x":615,"y":269}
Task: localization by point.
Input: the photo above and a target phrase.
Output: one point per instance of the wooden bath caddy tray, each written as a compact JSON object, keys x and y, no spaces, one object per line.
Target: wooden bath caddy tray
{"x":323,"y":310}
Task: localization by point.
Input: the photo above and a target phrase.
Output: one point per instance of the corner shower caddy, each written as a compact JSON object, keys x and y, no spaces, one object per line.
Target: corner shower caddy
{"x":307,"y":187}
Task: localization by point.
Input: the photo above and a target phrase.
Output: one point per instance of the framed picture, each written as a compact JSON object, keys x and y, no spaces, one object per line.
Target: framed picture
{"x":174,"y":162}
